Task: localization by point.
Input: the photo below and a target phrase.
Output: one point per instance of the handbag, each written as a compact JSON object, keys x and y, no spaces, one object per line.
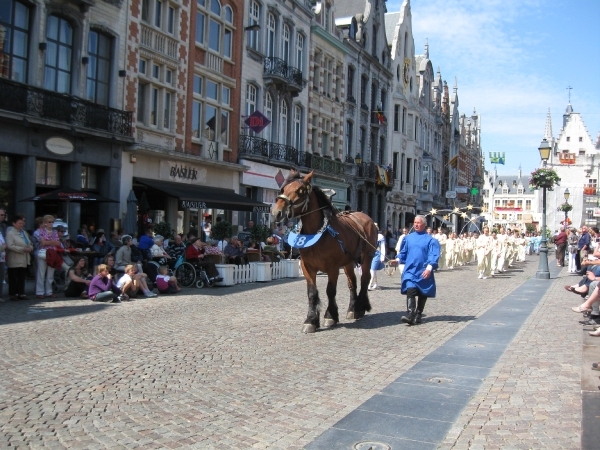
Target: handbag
{"x":42,"y":253}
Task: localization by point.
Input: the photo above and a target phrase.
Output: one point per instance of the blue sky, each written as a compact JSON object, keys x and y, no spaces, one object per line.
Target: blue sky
{"x":514,"y":59}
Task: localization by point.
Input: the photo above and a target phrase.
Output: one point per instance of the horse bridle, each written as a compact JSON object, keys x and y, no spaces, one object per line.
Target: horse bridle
{"x":301,"y":201}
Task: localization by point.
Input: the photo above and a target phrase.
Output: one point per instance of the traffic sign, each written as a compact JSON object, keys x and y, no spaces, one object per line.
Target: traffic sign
{"x":450,"y":194}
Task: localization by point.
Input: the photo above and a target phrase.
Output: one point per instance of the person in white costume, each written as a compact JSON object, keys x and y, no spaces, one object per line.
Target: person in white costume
{"x":441,"y":238}
{"x":500,"y":265}
{"x":450,"y":243}
{"x":484,"y":249}
{"x":494,"y":253}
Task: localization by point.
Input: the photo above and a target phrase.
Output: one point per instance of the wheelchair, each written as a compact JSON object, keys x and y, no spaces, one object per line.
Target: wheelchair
{"x":189,"y":274}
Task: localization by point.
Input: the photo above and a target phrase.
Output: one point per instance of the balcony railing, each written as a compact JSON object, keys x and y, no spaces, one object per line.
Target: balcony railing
{"x":155,"y":40}
{"x":277,"y":67}
{"x":250,"y":146}
{"x":33,"y":101}
{"x":371,"y":172}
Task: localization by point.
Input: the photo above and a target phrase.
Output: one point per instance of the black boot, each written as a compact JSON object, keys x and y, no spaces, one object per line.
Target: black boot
{"x":411,"y":311}
{"x":420,"y":308}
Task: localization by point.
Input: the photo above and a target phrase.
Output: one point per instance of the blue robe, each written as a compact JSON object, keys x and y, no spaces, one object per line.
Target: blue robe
{"x":418,"y":250}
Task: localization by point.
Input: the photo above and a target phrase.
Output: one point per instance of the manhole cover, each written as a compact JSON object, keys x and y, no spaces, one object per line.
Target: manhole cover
{"x":440,"y":380}
{"x":372,"y":446}
{"x":496,"y":324}
{"x":476,"y":345}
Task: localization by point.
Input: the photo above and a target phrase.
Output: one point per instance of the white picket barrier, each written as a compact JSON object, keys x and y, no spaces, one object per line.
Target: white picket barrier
{"x":277,"y":270}
{"x":251,"y":273}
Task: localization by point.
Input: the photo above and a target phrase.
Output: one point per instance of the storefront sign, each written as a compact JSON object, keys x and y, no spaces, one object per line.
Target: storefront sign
{"x":262,"y":209}
{"x":257,"y":121}
{"x":182,"y":172}
{"x":189,"y":204}
{"x":460,"y":189}
{"x":264,"y":176}
{"x":59,"y":146}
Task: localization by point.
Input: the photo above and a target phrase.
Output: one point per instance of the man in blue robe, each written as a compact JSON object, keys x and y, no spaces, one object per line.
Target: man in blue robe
{"x":419,"y":253}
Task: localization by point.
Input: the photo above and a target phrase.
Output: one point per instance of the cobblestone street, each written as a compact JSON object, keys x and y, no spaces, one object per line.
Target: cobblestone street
{"x":228,"y":368}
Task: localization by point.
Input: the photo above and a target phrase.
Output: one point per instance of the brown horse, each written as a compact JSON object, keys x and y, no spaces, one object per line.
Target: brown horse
{"x":355,"y":242}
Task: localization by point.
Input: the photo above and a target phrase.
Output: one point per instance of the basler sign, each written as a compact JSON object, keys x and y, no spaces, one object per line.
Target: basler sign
{"x":182,"y":172}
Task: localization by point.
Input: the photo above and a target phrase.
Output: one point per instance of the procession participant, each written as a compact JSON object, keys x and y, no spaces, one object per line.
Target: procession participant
{"x":510,"y":244}
{"x":398,"y":244}
{"x":484,"y":248}
{"x":457,"y":251}
{"x":501,"y":250}
{"x":441,"y":238}
{"x":378,"y":259}
{"x":450,"y":244}
{"x":494,"y":253}
{"x":469,"y":249}
{"x":420,"y":253}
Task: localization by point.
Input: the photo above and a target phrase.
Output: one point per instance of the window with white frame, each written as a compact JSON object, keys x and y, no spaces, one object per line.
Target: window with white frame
{"x":98,"y":67}
{"x":253,"y":19}
{"x":211,"y":109}
{"x":283,"y":122}
{"x":325,"y":142}
{"x":59,"y":51}
{"x":527,"y":205}
{"x":349,"y":134}
{"x":14,"y":22}
{"x":160,"y":14}
{"x":268,"y":112}
{"x":285,"y":44}
{"x":299,"y":51}
{"x":251,"y":96}
{"x":328,"y":76}
{"x":156,"y":96}
{"x":297,"y":127}
{"x":214,"y":27}
{"x":271,"y":29}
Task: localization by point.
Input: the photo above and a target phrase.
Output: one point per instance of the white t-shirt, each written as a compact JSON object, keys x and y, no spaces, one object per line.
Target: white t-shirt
{"x":123,"y":280}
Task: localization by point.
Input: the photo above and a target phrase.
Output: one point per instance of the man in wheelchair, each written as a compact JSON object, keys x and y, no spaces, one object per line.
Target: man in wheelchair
{"x":195,"y":253}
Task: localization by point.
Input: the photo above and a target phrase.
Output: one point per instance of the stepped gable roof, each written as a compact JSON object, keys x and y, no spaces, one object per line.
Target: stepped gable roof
{"x":507,"y":181}
{"x":391,"y":20}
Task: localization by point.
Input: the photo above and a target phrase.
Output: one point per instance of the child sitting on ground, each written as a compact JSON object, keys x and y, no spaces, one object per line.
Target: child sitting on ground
{"x":164,"y":283}
{"x":103,"y":288}
{"x":130,"y":283}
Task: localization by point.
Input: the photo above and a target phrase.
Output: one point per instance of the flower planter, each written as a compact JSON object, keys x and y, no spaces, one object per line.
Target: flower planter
{"x":263,"y":271}
{"x":292,"y":268}
{"x":225,"y":272}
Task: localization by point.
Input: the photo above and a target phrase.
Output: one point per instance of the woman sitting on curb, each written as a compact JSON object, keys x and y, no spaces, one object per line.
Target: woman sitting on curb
{"x":103,"y":289}
{"x":79,"y":279}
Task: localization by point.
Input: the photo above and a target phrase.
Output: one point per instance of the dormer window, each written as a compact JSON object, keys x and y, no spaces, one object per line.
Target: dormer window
{"x":520,"y":190}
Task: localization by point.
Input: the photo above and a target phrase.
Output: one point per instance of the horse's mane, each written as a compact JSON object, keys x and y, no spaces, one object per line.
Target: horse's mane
{"x":322,"y":198}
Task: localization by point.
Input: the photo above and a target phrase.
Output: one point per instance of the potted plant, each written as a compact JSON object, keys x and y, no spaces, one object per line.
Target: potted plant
{"x":544,"y":178}
{"x":565,"y":207}
{"x":222,"y":230}
{"x":164,"y":229}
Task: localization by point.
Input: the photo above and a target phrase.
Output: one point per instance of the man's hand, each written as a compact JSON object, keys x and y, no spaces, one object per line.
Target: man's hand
{"x":426,"y":274}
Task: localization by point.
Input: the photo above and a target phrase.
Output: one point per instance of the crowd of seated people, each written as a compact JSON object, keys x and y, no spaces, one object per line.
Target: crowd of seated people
{"x":124,"y":261}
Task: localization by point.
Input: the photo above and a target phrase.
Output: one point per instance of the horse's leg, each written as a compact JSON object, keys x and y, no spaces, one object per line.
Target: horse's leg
{"x":362,"y":304}
{"x":349,"y":269}
{"x":332,"y":316}
{"x":311,"y":324}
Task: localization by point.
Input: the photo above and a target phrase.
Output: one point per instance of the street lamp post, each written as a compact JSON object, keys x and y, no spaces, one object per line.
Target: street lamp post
{"x":567,"y":195}
{"x":543,"y":271}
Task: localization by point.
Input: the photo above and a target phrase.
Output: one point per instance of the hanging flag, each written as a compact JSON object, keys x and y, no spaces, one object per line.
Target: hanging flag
{"x":498,"y":158}
{"x":453,"y":162}
{"x":380,"y":117}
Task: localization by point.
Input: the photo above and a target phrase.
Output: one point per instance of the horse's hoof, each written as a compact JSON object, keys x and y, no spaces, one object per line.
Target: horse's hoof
{"x":329,"y":322}
{"x":309,"y":328}
{"x":355,"y":315}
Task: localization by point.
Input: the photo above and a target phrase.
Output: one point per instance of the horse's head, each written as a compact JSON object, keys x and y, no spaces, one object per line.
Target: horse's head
{"x":294,"y":196}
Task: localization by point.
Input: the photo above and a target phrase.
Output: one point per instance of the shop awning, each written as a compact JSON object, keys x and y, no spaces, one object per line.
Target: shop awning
{"x":205,"y":197}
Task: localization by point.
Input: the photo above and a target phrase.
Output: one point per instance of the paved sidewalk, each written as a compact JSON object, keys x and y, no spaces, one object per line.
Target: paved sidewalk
{"x":225,"y":368}
{"x":532,"y":397}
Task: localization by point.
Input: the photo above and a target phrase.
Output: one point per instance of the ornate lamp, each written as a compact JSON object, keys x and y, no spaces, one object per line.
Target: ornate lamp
{"x":543,"y":271}
{"x":358,"y":159}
